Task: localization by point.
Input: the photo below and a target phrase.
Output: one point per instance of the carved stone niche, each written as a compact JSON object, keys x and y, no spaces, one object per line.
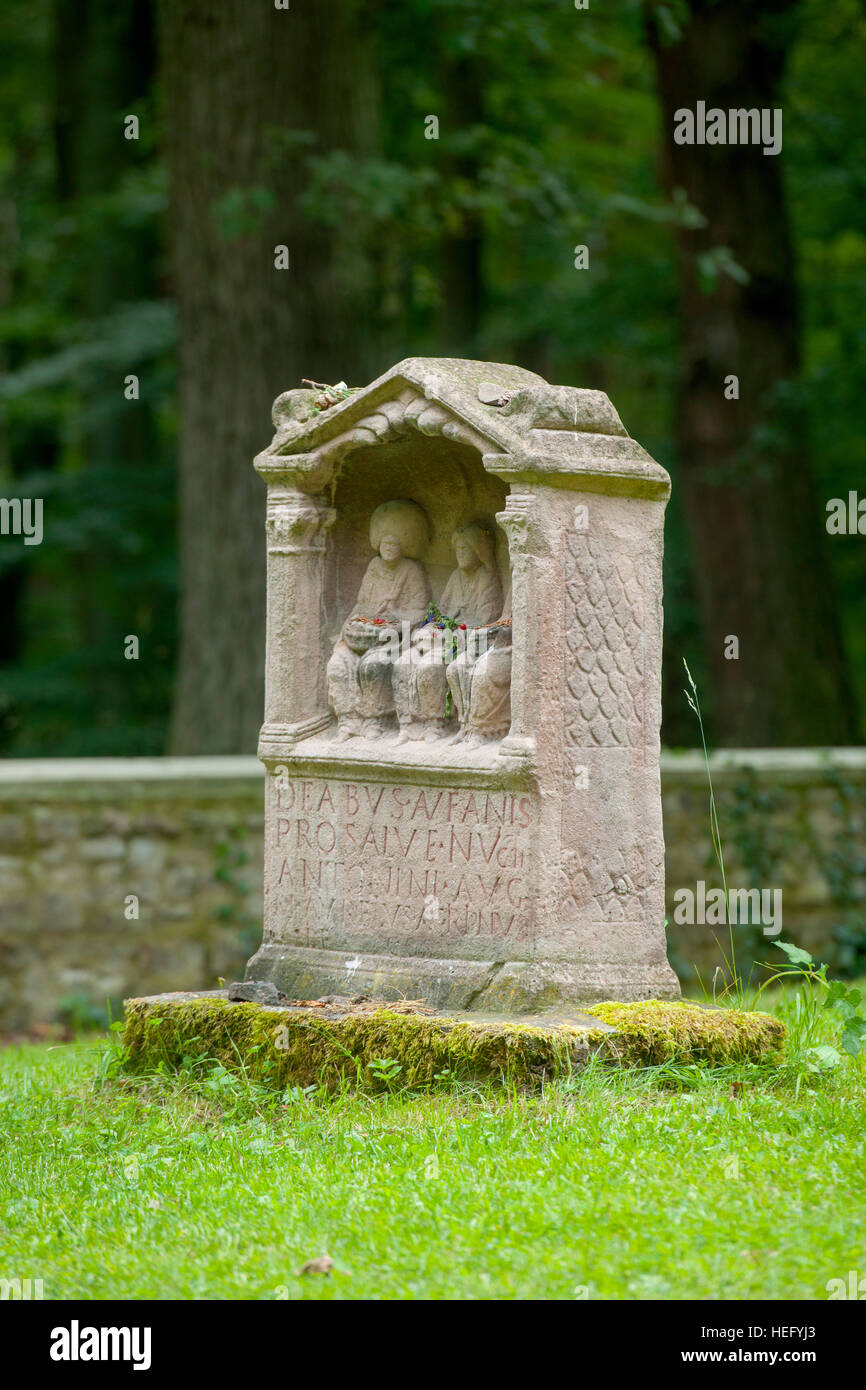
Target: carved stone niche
{"x":463,"y":802}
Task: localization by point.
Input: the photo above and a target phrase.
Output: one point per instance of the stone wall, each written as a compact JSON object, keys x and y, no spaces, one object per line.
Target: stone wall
{"x":790,"y":819}
{"x":87,"y":844}
{"x":132,"y":876}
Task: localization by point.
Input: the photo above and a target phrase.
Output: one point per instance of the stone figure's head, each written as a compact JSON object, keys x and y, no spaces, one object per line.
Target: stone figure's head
{"x":473,"y":546}
{"x":390,"y":548}
{"x":399,"y":528}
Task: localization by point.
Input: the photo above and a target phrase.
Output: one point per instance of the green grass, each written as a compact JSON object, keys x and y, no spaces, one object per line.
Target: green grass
{"x":667,"y":1183}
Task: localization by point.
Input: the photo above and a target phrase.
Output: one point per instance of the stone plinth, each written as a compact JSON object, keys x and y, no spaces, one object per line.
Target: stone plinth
{"x":473,"y":820}
{"x":338,"y":1042}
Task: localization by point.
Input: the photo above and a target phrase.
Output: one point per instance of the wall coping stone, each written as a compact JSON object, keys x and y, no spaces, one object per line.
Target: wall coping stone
{"x":798,"y":766}
{"x":95,"y":779}
{"x":103,"y":779}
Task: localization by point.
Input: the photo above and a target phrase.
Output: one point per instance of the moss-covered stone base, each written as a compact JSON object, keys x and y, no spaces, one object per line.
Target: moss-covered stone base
{"x":296,"y":1046}
{"x":654,"y":1032}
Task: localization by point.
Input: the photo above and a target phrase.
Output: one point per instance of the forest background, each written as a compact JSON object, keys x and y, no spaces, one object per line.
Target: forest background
{"x":309,"y":127}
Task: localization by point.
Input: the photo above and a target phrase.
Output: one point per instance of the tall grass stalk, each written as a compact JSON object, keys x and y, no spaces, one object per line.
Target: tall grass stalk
{"x":734,"y":986}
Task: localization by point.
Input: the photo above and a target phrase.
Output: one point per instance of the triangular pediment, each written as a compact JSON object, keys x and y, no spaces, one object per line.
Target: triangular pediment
{"x":419,"y":393}
{"x":494,"y":408}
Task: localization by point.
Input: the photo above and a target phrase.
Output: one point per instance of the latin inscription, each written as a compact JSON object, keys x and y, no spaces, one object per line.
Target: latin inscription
{"x":398,"y":861}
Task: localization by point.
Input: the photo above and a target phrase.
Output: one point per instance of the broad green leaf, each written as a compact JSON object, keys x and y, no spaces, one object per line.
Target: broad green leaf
{"x":852,"y":1035}
{"x":795,"y":954}
{"x":826,"y":1056}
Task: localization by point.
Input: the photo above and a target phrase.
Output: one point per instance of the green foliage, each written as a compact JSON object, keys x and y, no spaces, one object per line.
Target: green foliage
{"x":732,"y":980}
{"x":557,"y":147}
{"x":825,"y":154}
{"x":79,"y":312}
{"x":818,"y":1004}
{"x":80,"y":1013}
{"x":385,"y":1070}
{"x":717,"y":262}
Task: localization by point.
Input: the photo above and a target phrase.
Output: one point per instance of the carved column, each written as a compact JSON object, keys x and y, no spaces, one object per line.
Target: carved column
{"x":295,"y":697}
{"x":518,"y":521}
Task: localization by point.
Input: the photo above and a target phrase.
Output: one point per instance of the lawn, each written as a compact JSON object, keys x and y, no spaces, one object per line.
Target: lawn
{"x":671,"y":1183}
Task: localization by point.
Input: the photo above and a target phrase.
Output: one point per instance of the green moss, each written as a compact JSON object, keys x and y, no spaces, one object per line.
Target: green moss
{"x":287,"y":1047}
{"x":656,"y":1031}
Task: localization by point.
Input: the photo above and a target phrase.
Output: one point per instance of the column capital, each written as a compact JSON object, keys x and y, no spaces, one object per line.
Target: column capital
{"x":297,"y":523}
{"x":519,"y":522}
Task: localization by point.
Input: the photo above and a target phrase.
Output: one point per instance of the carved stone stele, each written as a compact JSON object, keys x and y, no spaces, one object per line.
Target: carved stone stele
{"x":465,"y":810}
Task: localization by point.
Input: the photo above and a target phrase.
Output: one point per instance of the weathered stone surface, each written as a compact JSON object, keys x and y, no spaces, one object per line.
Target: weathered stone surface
{"x":331,"y":1047}
{"x":512,"y":855}
{"x":490,"y":393}
{"x":255,"y":992}
{"x":124,"y":871}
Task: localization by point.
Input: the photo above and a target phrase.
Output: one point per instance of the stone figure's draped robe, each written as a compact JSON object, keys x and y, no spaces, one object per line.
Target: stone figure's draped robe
{"x":489,"y":705}
{"x":474,"y":599}
{"x":361,"y":684}
{"x":402,"y":592}
{"x":462,"y":669}
{"x":420,"y":683}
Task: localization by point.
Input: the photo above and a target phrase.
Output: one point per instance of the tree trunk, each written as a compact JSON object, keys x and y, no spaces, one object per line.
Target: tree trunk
{"x":462,"y":85}
{"x":250,"y":91}
{"x":757,"y":529}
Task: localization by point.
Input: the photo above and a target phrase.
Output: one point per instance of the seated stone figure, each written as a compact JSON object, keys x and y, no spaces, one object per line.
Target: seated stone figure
{"x":395,"y":590}
{"x":471,"y":599}
{"x":480,"y":682}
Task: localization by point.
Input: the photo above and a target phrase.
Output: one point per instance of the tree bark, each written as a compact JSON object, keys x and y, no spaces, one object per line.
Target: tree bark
{"x":250,"y":91}
{"x":757,"y":529}
{"x":462,"y":292}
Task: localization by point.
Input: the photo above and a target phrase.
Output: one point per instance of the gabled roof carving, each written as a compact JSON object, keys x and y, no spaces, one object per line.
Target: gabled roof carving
{"x":525,"y":429}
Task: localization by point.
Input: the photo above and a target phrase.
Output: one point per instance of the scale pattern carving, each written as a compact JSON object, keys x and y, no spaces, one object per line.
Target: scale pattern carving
{"x":604,"y":637}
